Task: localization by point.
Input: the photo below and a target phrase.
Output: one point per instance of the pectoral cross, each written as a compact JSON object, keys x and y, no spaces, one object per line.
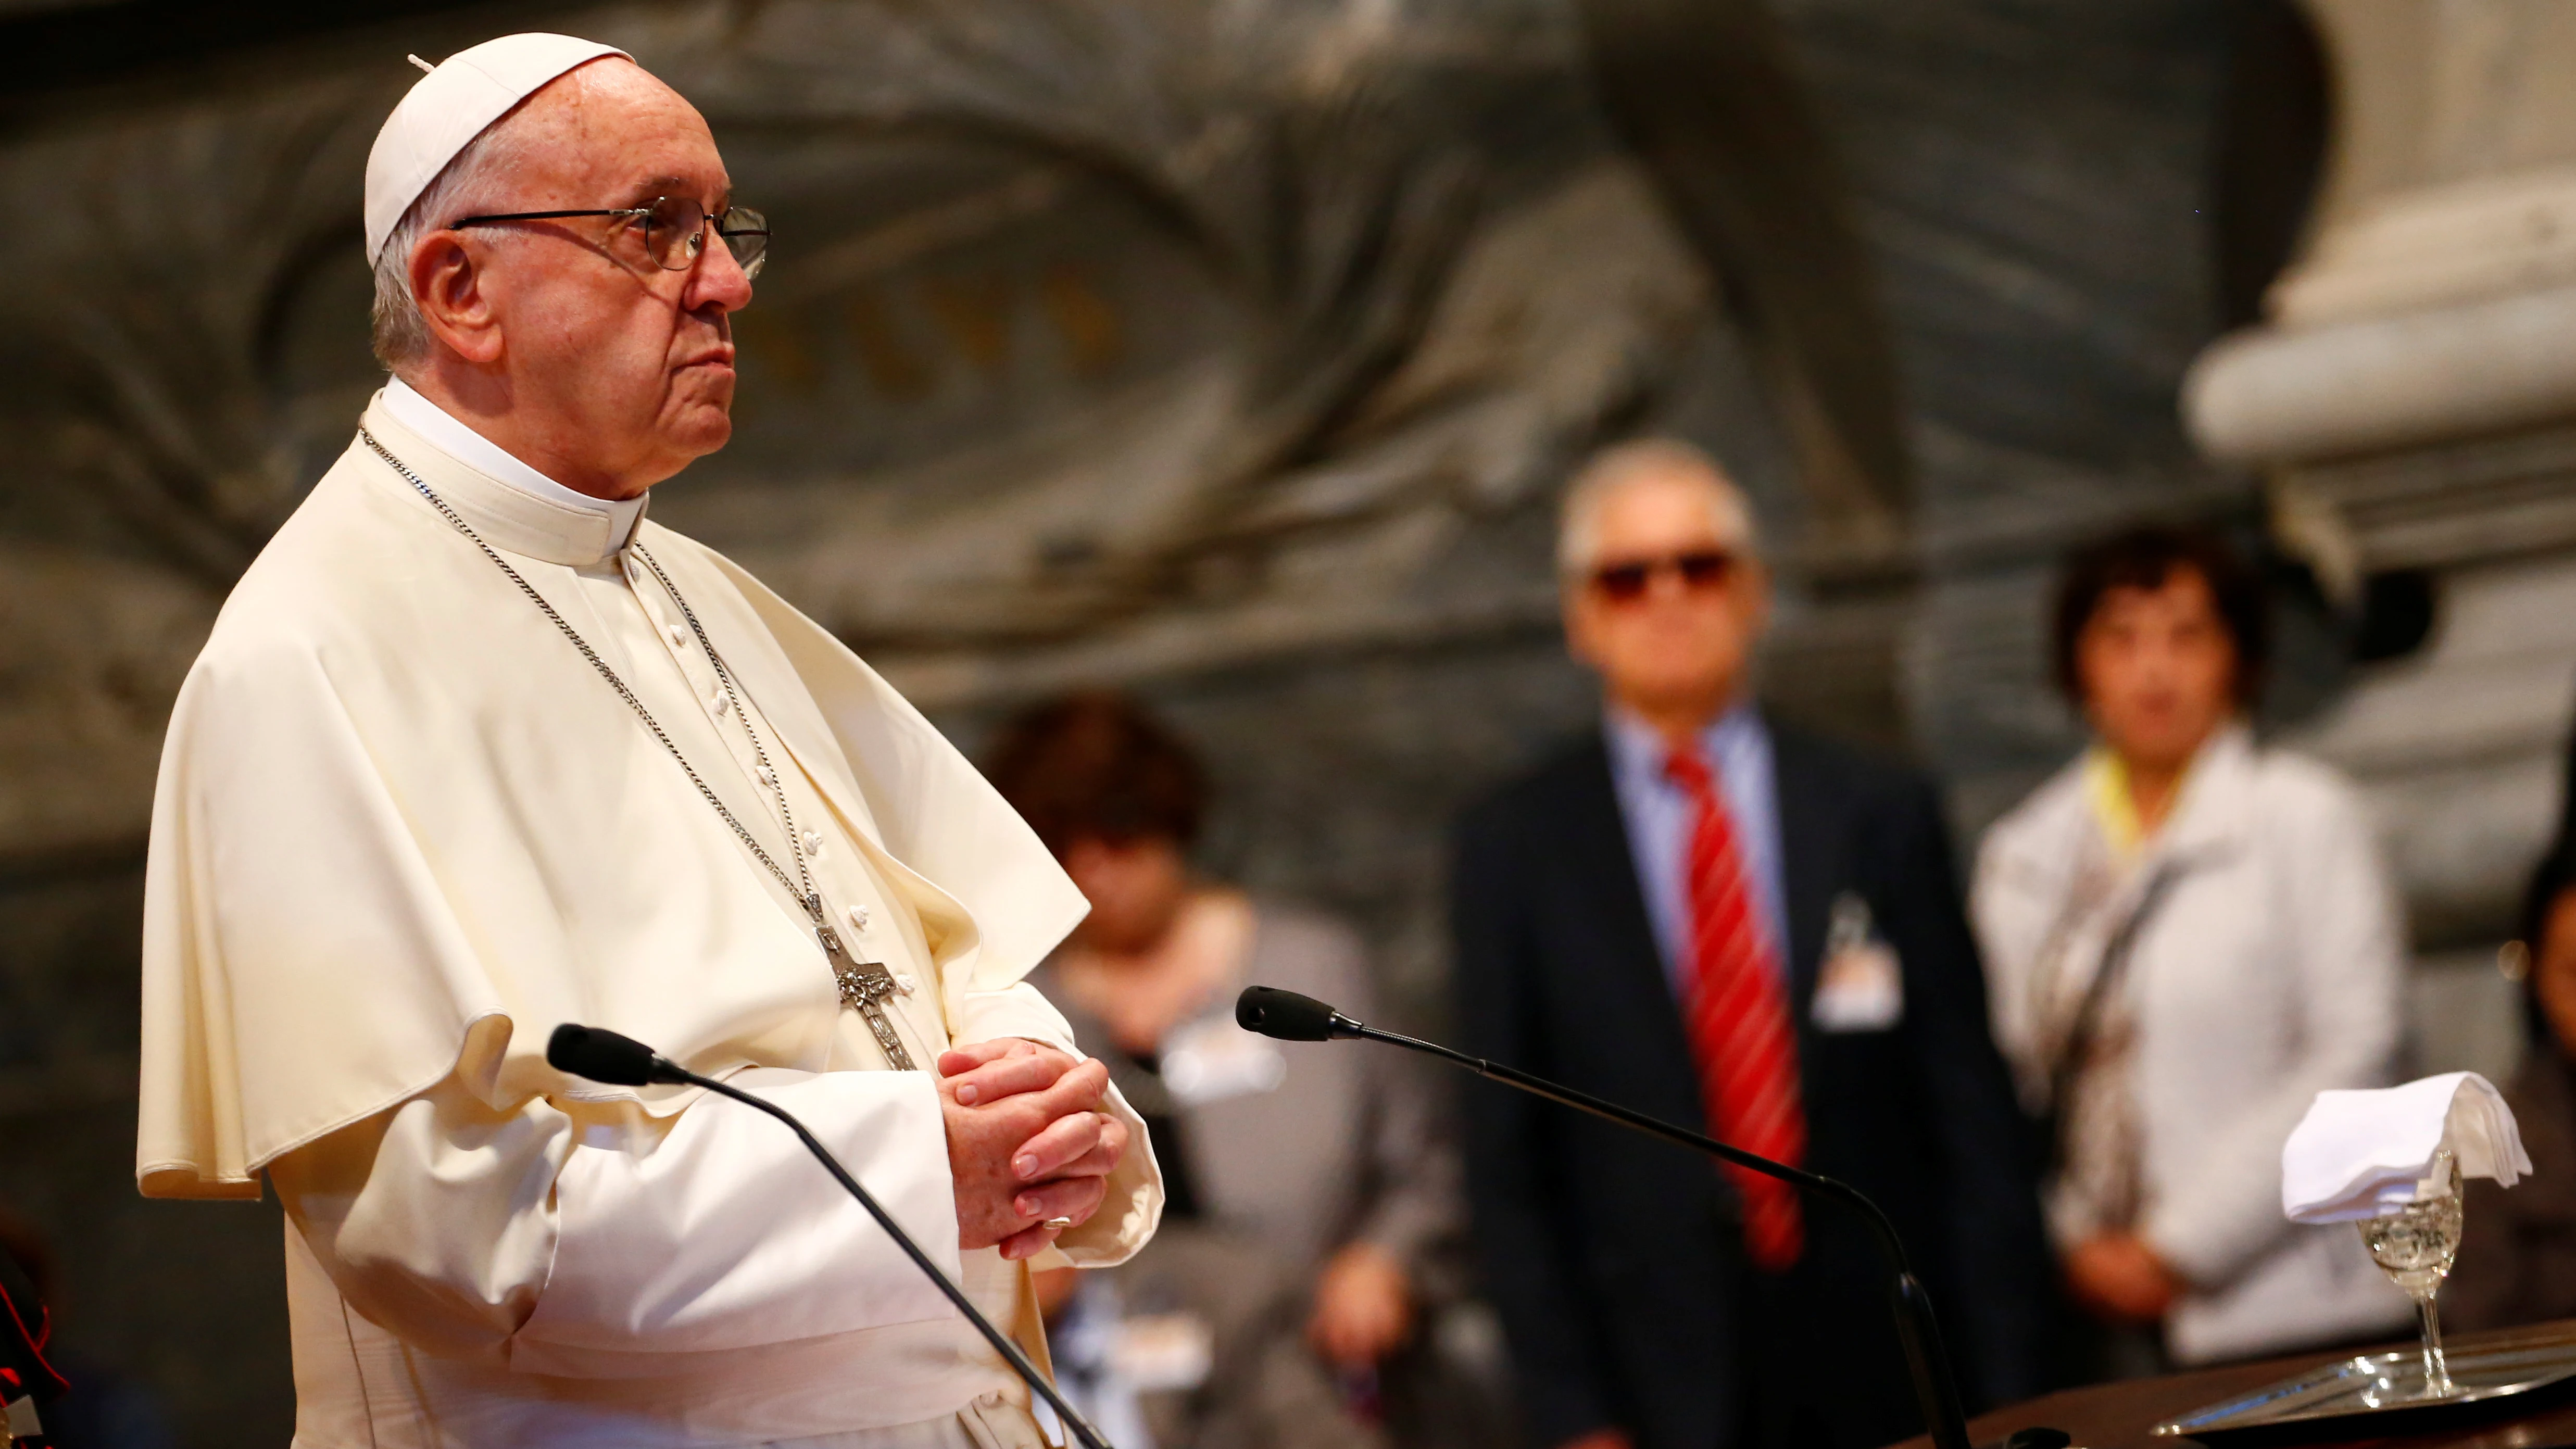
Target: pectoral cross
{"x":865,"y":986}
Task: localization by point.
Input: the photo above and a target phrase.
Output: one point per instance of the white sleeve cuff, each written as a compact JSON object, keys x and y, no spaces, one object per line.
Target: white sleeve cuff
{"x":1016,"y":1011}
{"x":1133,"y":1207}
{"x":726,"y":1233}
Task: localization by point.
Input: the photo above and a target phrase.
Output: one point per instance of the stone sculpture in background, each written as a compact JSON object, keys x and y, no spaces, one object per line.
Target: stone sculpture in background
{"x":1126,"y":340}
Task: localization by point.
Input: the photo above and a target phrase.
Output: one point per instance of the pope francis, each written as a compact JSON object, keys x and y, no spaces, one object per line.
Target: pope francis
{"x":475,"y":750}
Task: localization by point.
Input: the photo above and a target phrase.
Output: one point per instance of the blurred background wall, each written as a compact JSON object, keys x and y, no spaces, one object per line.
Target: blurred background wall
{"x":1233,"y":351}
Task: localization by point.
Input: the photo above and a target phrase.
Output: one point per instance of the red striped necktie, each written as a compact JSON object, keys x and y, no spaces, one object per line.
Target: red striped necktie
{"x":1735,"y":1011}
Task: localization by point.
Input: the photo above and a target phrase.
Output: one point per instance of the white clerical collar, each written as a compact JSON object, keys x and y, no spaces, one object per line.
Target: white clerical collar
{"x":441,"y":429}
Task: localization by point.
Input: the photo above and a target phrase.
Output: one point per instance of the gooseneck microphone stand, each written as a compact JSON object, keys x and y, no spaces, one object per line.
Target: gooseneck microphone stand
{"x":1270,"y":1012}
{"x":622,"y":1061}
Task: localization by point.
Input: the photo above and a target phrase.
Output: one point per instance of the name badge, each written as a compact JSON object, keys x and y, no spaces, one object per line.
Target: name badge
{"x":1861,"y":985}
{"x":1163,"y":1352}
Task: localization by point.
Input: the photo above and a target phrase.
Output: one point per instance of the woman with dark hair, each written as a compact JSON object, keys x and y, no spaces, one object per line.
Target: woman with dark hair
{"x":2187,"y":936}
{"x":1307,"y":1193}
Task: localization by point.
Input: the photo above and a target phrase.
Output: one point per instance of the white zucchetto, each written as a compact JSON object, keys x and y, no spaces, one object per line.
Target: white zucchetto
{"x":449,"y":107}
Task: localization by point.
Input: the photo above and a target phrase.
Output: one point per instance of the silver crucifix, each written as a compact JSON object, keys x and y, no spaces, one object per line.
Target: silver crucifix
{"x":865,"y":985}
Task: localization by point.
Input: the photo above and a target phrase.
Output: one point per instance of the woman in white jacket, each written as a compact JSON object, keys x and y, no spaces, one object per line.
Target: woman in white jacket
{"x":2187,"y":936}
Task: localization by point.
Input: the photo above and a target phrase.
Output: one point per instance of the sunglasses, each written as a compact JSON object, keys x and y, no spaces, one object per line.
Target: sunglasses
{"x":1626,"y":582}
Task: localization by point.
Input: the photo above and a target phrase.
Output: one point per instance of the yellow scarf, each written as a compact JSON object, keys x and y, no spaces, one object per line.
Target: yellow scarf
{"x":2106,"y":786}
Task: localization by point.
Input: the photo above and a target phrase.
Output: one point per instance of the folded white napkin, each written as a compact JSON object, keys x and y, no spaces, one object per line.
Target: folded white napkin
{"x":2360,"y":1154}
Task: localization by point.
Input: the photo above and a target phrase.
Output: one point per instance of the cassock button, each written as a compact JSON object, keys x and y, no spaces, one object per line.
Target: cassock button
{"x":679,"y":636}
{"x":858,"y":918}
{"x":813,"y":842}
{"x":720,"y":702}
{"x":767,"y":775}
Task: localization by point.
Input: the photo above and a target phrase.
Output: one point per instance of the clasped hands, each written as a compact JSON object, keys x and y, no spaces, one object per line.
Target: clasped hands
{"x":2122,"y":1279}
{"x":1028,"y":1142}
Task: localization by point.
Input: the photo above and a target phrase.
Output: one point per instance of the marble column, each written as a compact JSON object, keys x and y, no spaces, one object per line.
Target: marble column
{"x":2410,"y":402}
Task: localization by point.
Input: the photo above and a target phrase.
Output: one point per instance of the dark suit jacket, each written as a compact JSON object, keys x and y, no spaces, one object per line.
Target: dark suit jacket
{"x":1616,"y":1260}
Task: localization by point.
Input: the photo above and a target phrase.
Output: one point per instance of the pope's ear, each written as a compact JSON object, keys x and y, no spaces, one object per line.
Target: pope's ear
{"x":447,"y":284}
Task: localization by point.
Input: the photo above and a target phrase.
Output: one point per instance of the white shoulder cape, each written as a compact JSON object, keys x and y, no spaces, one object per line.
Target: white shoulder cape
{"x":403,"y":829}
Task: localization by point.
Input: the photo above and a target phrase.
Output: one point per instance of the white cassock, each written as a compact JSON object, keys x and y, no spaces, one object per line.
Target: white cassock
{"x":403,"y":829}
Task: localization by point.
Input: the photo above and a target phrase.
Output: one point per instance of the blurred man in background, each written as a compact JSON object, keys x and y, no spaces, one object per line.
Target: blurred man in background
{"x":1734,"y":925}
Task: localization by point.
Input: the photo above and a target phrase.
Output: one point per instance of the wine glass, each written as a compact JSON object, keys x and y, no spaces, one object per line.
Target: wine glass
{"x":2414,"y":1246}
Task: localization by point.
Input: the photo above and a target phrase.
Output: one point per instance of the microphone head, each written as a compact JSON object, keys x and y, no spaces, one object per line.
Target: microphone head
{"x":1269,"y":1011}
{"x":602,"y":1056}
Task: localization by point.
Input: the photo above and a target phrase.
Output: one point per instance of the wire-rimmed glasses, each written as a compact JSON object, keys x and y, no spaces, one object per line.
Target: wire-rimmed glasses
{"x":675,"y":230}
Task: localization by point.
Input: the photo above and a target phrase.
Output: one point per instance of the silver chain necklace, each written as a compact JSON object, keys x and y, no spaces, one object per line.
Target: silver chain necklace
{"x":865,"y":986}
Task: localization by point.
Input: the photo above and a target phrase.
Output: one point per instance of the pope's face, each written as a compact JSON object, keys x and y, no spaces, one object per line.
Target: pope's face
{"x":629,"y":365}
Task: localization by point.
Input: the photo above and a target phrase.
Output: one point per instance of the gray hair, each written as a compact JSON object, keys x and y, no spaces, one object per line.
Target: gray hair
{"x":1621,"y":466}
{"x":473,"y":179}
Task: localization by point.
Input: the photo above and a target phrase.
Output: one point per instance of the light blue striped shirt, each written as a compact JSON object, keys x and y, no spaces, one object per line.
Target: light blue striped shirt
{"x":1657,"y":813}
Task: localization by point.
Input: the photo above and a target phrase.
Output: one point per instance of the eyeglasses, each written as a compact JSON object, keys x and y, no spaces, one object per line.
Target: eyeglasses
{"x":1626,"y":581}
{"x":675,"y":230}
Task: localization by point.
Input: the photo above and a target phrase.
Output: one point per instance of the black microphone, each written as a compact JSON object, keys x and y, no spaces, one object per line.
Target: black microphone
{"x":1269,"y":1011}
{"x":621,"y":1061}
{"x":604,"y":1056}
